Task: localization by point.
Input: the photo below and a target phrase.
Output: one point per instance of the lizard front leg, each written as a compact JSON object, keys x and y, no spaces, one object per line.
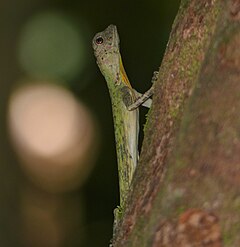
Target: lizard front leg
{"x":141,"y":100}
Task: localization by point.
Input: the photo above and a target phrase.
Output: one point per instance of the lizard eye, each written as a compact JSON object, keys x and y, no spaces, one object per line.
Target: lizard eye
{"x":99,"y":40}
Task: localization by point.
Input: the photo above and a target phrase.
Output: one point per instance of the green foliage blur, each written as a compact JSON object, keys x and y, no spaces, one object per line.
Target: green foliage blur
{"x":144,"y":28}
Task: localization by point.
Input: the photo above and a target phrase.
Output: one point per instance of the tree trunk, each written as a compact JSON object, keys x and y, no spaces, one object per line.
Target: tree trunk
{"x":186,"y":188}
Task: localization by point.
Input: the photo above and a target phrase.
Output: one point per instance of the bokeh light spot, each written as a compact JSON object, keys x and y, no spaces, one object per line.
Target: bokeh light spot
{"x":51,"y":46}
{"x":53,"y":134}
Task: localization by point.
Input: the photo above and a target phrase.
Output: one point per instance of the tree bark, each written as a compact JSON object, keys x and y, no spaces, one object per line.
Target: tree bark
{"x":185,"y":190}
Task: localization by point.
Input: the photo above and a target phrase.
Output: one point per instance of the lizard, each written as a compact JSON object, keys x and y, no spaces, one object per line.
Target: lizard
{"x":125,"y":102}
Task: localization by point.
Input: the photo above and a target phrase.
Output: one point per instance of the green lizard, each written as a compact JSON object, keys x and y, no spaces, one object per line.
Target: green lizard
{"x":125,"y":101}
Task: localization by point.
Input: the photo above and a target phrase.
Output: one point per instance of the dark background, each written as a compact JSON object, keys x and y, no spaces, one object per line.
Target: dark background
{"x":144,"y":28}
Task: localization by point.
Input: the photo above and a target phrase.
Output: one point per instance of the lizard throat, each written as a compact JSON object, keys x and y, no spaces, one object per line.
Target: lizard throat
{"x":123,"y":74}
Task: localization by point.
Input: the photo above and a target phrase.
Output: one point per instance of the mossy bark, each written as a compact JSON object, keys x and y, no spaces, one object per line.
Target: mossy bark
{"x":186,"y":188}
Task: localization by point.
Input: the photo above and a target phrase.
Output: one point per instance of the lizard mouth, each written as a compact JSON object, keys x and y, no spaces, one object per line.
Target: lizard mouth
{"x":112,"y":30}
{"x":116,"y":41}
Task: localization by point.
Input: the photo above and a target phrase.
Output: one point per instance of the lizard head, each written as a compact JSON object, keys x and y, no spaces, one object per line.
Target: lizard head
{"x":106,"y":50}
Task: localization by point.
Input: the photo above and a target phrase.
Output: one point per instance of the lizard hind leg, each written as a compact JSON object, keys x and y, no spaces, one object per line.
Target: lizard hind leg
{"x":117,"y":212}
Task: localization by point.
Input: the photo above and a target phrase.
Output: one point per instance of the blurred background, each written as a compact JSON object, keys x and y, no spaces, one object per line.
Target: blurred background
{"x":58,"y":170}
